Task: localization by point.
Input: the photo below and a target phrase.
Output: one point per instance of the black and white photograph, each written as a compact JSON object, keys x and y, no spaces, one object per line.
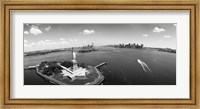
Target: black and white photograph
{"x":100,"y":53}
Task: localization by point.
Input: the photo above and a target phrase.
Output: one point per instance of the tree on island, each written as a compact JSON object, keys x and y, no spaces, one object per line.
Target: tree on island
{"x":67,"y":64}
{"x":49,"y":68}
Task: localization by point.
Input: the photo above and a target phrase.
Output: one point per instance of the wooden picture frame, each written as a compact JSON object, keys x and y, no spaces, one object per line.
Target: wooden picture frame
{"x":7,"y":6}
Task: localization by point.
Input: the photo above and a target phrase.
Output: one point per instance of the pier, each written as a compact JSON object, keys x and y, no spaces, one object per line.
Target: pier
{"x":103,"y":63}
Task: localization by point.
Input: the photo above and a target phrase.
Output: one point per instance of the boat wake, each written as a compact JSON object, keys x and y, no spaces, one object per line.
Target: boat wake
{"x":144,"y":66}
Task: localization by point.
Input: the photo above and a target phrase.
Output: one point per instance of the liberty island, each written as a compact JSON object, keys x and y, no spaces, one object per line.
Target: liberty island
{"x":62,"y":74}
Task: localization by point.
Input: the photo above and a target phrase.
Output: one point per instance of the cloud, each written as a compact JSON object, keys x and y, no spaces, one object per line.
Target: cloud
{"x":158,"y":30}
{"x":46,"y":42}
{"x":32,"y":44}
{"x":87,"y":32}
{"x":145,"y":35}
{"x":84,"y":41}
{"x":167,"y":36}
{"x":35,"y":30}
{"x":29,"y":45}
{"x":26,"y":45}
{"x":41,"y":42}
{"x":62,"y":39}
{"x":47,"y":28}
{"x":26,"y":32}
{"x":73,"y":40}
{"x":64,"y":42}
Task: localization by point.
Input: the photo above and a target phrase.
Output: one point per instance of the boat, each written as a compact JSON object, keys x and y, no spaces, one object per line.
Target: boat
{"x":70,"y":75}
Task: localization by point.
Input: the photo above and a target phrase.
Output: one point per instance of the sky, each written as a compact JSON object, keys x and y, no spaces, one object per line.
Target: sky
{"x":53,"y":36}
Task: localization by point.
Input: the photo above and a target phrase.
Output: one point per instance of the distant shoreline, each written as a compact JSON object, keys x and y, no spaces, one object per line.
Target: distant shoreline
{"x":44,"y":52}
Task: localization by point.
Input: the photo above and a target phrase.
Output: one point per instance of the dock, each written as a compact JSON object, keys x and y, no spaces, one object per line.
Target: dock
{"x":30,"y":67}
{"x":102,"y":64}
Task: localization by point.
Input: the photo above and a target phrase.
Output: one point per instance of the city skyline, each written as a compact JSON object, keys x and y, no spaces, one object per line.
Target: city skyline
{"x":54,"y":36}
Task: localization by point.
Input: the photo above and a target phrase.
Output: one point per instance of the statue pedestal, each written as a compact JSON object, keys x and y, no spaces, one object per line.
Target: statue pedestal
{"x":74,"y":65}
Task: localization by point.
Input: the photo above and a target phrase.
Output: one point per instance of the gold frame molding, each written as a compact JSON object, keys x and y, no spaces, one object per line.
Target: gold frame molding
{"x":7,"y":6}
